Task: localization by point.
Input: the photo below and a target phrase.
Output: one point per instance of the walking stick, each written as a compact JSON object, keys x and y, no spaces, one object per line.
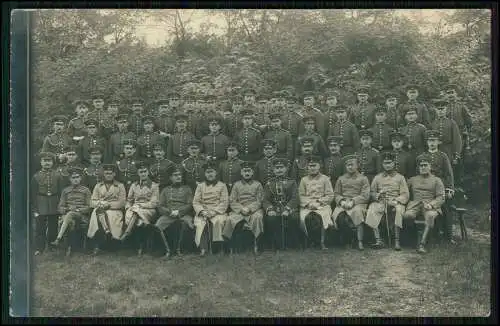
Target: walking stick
{"x":387,"y":222}
{"x":209,"y":237}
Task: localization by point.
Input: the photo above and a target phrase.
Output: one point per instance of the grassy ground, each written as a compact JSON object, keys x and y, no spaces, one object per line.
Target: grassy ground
{"x":448,"y":281}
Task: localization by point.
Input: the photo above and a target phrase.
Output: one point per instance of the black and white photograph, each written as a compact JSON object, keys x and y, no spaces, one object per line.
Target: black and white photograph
{"x":260,"y":163}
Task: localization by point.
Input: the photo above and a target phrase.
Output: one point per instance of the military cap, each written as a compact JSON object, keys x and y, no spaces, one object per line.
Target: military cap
{"x":247,"y":112}
{"x":334,"y":140}
{"x":96,"y":149}
{"x":308,"y":118}
{"x":268,"y":142}
{"x":71,"y":148}
{"x":129,"y":141}
{"x":91,"y":122}
{"x":75,"y":170}
{"x":113,"y":102}
{"x":391,"y":94}
{"x":262,"y":100}
{"x":431,"y":134}
{"x":148,"y":118}
{"x":349,"y":158}
{"x":274,"y":115}
{"x":387,"y":156}
{"x":381,"y":108}
{"x":306,"y":140}
{"x":98,"y":95}
{"x":340,"y":108}
{"x":227,"y":108}
{"x":215,"y":118}
{"x":451,"y":86}
{"x":411,"y":86}
{"x":210,"y":165}
{"x":280,"y":161}
{"x":332,"y":93}
{"x":314,"y":159}
{"x":363,"y":89}
{"x":173,"y":95}
{"x":247,"y":165}
{"x":291,"y":98}
{"x":121,"y":117}
{"x":440,"y":102}
{"x":410,"y":108}
{"x":193,"y":142}
{"x":158,"y":145}
{"x":50,"y":155}
{"x":365,"y":132}
{"x":59,"y":118}
{"x":307,"y":94}
{"x":109,"y":167}
{"x":236,"y":99}
{"x":424,"y":158}
{"x":141,"y":165}
{"x":80,"y":102}
{"x":250,"y":92}
{"x":397,"y":135}
{"x":232,"y":144}
{"x":181,"y":116}
{"x":176,"y":168}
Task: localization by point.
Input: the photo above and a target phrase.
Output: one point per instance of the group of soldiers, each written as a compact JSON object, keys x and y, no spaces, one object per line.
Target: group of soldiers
{"x":278,"y":167}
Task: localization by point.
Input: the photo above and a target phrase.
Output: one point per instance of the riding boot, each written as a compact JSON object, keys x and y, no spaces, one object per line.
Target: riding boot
{"x":397,"y":231}
{"x":359,"y":234}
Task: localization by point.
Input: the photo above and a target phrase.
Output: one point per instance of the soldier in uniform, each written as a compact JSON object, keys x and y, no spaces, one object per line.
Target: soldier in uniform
{"x":280,"y":206}
{"x":249,"y":98}
{"x":72,"y":160}
{"x":423,"y":114}
{"x":403,"y":161}
{"x":146,"y":141}
{"x":414,"y":131}
{"x":127,"y":169}
{"x":135,"y":119}
{"x":98,"y":112}
{"x":230,"y":169}
{"x":58,"y":141}
{"x":160,"y":168}
{"x":381,"y":130}
{"x":388,"y":189}
{"x":74,"y":206}
{"x":427,"y":195}
{"x":369,"y":157}
{"x":248,"y":138}
{"x":261,"y":119}
{"x":330,"y":112}
{"x":299,"y":168}
{"x":352,"y":194}
{"x":292,"y":120}
{"x":282,"y":137}
{"x":333,"y":165}
{"x":118,"y":139}
{"x":311,"y":110}
{"x":315,"y":197}
{"x":194,"y":124}
{"x":193,"y":164}
{"x":362,"y":113}
{"x":213,"y":145}
{"x":93,"y":172}
{"x":394,"y":118}
{"x":174,"y":102}
{"x":108,"y":124}
{"x":232,"y":123}
{"x":210,"y":203}
{"x":175,"y":209}
{"x":264,"y":166}
{"x":46,"y":186}
{"x":107,"y":201}
{"x":245,"y":202}
{"x":165,"y":123}
{"x":91,"y":140}
{"x":319,"y":147}
{"x":177,"y":150}
{"x":76,"y":126}
{"x":140,"y":209}
{"x":346,"y":130}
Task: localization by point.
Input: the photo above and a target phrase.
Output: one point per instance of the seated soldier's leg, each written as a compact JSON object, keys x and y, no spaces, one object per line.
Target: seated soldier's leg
{"x":235,"y":240}
{"x":68,"y":222}
{"x":271,"y":230}
{"x":429,"y":217}
{"x":130,"y":220}
{"x":398,"y":225}
{"x":40,"y":228}
{"x":374,"y":215}
{"x":313,"y":225}
{"x":182,"y":229}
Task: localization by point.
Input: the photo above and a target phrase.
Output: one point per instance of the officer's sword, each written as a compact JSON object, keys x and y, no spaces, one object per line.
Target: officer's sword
{"x":387,"y":222}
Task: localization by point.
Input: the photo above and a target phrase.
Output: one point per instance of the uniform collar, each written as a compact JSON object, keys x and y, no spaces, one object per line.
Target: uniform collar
{"x":148,"y":182}
{"x":211,"y":183}
{"x":389,"y":173}
{"x":249,"y":182}
{"x":434,"y":151}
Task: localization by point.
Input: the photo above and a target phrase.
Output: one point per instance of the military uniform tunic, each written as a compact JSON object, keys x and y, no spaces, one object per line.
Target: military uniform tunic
{"x":75,"y":206}
{"x":64,"y":172}
{"x":369,"y":162}
{"x":175,"y":197}
{"x":230,"y":171}
{"x":319,"y":147}
{"x":292,"y":121}
{"x":145,"y":144}
{"x":458,"y":112}
{"x":93,"y":174}
{"x":160,"y":171}
{"x":264,"y":170}
{"x":115,"y":147}
{"x":441,"y":168}
{"x":76,"y":128}
{"x":135,"y":123}
{"x":449,"y":134}
{"x":425,"y":189}
{"x":333,"y":167}
{"x":394,"y":118}
{"x":87,"y":144}
{"x":415,"y":137}
{"x":127,"y":171}
{"x":319,"y":122}
{"x":329,"y":122}
{"x":362,"y":115}
{"x":381,"y":140}
{"x":165,"y":123}
{"x":284,"y":142}
{"x":108,"y":125}
{"x":280,"y":194}
{"x":177,"y":146}
{"x":214,"y":146}
{"x":299,"y":167}
{"x":194,"y":171}
{"x":99,"y":115}
{"x":56,"y":143}
{"x":349,"y":133}
{"x":231,"y":126}
{"x":356,"y":187}
{"x":249,"y":143}
{"x":145,"y":194}
{"x":423,"y":114}
{"x":316,"y":189}
{"x":46,"y":186}
{"x":404,"y":163}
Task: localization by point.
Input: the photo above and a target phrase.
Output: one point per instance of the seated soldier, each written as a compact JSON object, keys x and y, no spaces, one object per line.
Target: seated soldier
{"x":352,"y":193}
{"x":426,"y":197}
{"x":280,"y":205}
{"x":74,"y":206}
{"x":108,"y":201}
{"x":175,"y":208}
{"x":388,"y":189}
{"x":140,"y":209}
{"x":315,"y":196}
{"x":245,"y":202}
{"x":210,"y":203}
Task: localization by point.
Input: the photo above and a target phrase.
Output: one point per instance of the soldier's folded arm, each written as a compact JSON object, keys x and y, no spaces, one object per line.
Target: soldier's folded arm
{"x":153,"y":201}
{"x":293,"y":203}
{"x":224,"y":201}
{"x":185,"y":209}
{"x":404,"y":192}
{"x":120,"y":202}
{"x":234,"y":203}
{"x":364,"y":196}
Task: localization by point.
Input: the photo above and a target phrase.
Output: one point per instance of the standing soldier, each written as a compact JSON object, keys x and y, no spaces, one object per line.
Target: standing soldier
{"x":333,"y":165}
{"x":394,"y":118}
{"x":264,"y":166}
{"x":330,"y":112}
{"x":72,"y":160}
{"x":91,"y":141}
{"x":403,"y":161}
{"x":261,"y":120}
{"x":362,"y":113}
{"x":414,"y":132}
{"x":299,"y":168}
{"x":165,"y":123}
{"x":76,"y":126}
{"x":292,"y":121}
{"x":174,"y":102}
{"x":108,"y":124}
{"x":46,"y":186}
{"x":346,"y":130}
{"x":381,"y":130}
{"x":193,"y":164}
{"x":118,"y":139}
{"x":160,"y":168}
{"x":193,"y":124}
{"x":135,"y":118}
{"x":146,"y":141}
{"x":427,"y":195}
{"x":232,"y":123}
{"x":369,"y":157}
{"x":213,"y":145}
{"x":319,"y":147}
{"x":311,"y":110}
{"x":248,"y":138}
{"x":177,"y":150}
{"x":98,"y":112}
{"x":249,"y":98}
{"x":230,"y":169}
{"x":423,"y":114}
{"x":127,"y":169}
{"x":58,"y":141}
{"x":93,"y":172}
{"x":282,"y":137}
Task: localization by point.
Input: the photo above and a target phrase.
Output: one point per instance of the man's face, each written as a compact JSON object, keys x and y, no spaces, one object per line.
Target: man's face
{"x":331,"y":101}
{"x":210,"y":174}
{"x":397,"y":143}
{"x":247,"y":173}
{"x":280,"y":170}
{"x":433,"y":143}
{"x":237,"y":107}
{"x":46,"y":163}
{"x":193,"y":150}
{"x":441,"y":111}
{"x":98,"y":103}
{"x":232,"y":152}
{"x":164,"y":110}
{"x":388,"y":165}
{"x":308,"y":101}
{"x":309,"y":126}
{"x":58,"y":126}
{"x":137,"y":108}
{"x":109,"y":175}
{"x":411,"y":116}
{"x":451,"y":94}
{"x":159,"y":153}
{"x":75,"y":179}
{"x":247,"y":121}
{"x":128,"y":150}
{"x":249,"y":99}
{"x":424,"y":168}
{"x":391,"y":102}
{"x":366,"y":141}
{"x":176,"y":177}
{"x":122,"y":125}
{"x":380,"y":117}
{"x":281,"y":102}
{"x":412,"y":94}
{"x":334,"y":147}
{"x":307,"y":148}
{"x":92,"y":130}
{"x":269,"y":151}
{"x":341,"y":115}
{"x":81,"y":110}
{"x":214,"y":127}
{"x":71,"y":156}
{"x":313,"y":168}
{"x":351,"y":166}
{"x":113,"y":110}
{"x":180,"y":125}
{"x":362,"y":97}
{"x":174,"y":102}
{"x":290,"y":106}
{"x":148,"y":126}
{"x":227,"y":114}
{"x":95,"y":157}
{"x":143,"y":173}
{"x":276,"y":123}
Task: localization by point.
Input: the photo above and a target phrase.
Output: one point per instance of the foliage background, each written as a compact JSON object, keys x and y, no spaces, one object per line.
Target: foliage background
{"x":79,"y":52}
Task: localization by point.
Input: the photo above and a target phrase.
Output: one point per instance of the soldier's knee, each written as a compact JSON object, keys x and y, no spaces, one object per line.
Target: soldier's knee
{"x":410,"y":215}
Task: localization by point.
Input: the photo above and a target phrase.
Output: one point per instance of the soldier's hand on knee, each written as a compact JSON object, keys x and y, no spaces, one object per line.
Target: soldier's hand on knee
{"x":286,"y":212}
{"x":427,"y":206}
{"x":271,"y":213}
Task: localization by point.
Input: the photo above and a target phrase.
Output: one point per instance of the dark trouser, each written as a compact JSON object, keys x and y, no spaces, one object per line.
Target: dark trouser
{"x":206,"y":241}
{"x":446,"y":224}
{"x":345,"y":228}
{"x":281,"y":231}
{"x":45,"y":230}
